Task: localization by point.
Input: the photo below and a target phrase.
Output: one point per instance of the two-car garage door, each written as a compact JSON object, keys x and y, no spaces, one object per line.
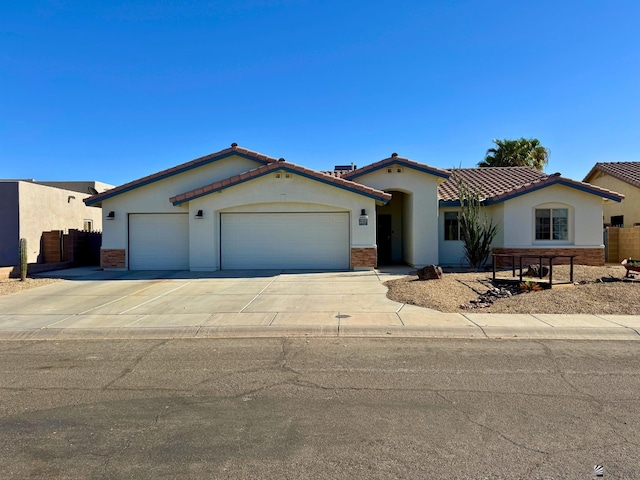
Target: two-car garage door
{"x":318,"y":240}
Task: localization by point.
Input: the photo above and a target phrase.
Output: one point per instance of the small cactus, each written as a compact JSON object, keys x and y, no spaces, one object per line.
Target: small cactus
{"x":23,"y":259}
{"x":530,"y":287}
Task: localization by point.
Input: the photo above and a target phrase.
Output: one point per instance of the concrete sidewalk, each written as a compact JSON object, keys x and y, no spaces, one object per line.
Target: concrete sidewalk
{"x":409,"y":321}
{"x":102,"y":305}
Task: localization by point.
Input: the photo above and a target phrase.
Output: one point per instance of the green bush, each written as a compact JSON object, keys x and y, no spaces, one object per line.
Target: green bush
{"x":477,"y":229}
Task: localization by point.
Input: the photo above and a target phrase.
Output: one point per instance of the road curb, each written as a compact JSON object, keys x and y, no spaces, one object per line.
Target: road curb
{"x":50,"y":334}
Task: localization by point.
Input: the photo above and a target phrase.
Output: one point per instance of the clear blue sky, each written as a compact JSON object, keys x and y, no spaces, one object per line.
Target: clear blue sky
{"x":115,"y":90}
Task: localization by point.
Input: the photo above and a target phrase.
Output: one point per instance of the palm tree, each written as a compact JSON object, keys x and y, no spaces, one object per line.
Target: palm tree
{"x":523,"y":152}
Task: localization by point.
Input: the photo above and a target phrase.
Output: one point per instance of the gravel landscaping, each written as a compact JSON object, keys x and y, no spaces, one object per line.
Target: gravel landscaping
{"x":597,"y":290}
{"x":13,"y":285}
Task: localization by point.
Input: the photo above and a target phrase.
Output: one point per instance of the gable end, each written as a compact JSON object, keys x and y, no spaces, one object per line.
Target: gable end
{"x":185,"y":167}
{"x":276,"y":167}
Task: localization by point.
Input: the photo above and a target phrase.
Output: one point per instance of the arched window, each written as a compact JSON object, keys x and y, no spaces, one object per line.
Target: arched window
{"x":552,"y":224}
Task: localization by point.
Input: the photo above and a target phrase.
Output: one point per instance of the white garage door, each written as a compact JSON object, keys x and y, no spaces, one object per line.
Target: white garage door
{"x":285,"y":240}
{"x":159,"y":241}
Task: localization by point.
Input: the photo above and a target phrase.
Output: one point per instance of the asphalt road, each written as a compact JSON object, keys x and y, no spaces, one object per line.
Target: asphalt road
{"x":326,"y":408}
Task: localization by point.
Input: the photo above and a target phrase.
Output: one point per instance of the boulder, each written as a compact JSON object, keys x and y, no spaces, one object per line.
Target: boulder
{"x":430,"y":272}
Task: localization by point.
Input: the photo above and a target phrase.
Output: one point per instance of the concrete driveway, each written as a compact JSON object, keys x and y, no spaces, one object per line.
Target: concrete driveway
{"x":97,"y":304}
{"x":146,"y":300}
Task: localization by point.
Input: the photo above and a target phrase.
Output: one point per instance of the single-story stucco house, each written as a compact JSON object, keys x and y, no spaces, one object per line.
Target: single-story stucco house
{"x":239,"y":209}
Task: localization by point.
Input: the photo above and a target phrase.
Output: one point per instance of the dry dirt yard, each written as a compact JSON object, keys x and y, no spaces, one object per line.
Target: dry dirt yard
{"x":455,"y":290}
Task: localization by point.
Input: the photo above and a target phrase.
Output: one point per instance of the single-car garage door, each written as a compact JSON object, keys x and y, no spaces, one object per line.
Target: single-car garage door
{"x":284,"y":240}
{"x":159,"y":241}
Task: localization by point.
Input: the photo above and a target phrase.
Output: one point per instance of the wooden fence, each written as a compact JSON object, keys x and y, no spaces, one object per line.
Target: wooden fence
{"x":78,"y":246}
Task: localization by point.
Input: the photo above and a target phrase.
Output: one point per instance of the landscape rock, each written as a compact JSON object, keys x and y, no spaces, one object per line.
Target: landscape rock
{"x":486,"y":299}
{"x":534,"y":271}
{"x":430,"y":272}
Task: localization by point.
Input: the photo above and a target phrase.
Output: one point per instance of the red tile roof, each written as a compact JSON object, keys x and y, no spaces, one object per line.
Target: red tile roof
{"x":233,"y":150}
{"x":626,"y":171}
{"x":395,"y":160}
{"x":281,"y":165}
{"x":496,"y":184}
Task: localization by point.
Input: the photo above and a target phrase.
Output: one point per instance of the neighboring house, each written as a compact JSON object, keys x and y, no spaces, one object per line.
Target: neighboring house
{"x":28,"y":208}
{"x":238,"y":209}
{"x":623,"y":177}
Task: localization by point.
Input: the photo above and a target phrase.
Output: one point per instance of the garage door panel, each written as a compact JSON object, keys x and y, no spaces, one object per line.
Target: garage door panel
{"x":159,"y":241}
{"x":285,"y":240}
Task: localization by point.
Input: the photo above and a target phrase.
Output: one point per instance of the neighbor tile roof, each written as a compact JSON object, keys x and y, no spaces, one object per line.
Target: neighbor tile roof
{"x":626,"y":171}
{"x":227,"y":152}
{"x":490,"y":181}
{"x":496,"y":184}
{"x":395,"y":160}
{"x":281,"y":165}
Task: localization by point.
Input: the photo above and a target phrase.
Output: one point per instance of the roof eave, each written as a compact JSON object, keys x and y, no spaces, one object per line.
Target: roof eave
{"x":97,"y":204}
{"x":592,"y":190}
{"x":396,"y":160}
{"x":593,"y":170}
{"x":556,"y":181}
{"x":135,"y":184}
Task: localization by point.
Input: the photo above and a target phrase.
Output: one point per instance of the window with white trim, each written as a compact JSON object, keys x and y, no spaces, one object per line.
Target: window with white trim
{"x":552,"y":224}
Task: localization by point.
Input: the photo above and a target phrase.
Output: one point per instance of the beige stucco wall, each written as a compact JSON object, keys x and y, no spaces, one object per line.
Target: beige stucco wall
{"x":452,"y":251}
{"x":585,"y":217}
{"x":154,"y":197}
{"x":516,"y":221}
{"x":266,"y":193}
{"x":420,"y":231}
{"x":44,"y":208}
{"x":629,"y":207}
{"x":271,"y":194}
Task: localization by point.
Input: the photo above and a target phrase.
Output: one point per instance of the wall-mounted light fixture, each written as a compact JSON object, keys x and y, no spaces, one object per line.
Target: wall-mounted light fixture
{"x":364,"y":218}
{"x":199,"y":215}
{"x":111,"y":215}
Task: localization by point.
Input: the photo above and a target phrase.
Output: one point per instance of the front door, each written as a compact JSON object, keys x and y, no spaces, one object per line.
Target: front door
{"x":383,"y":239}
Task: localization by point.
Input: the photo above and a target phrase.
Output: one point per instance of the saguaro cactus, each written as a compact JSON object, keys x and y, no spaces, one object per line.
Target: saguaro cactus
{"x":23,"y":259}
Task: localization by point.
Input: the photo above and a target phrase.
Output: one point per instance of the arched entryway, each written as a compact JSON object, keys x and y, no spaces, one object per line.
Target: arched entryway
{"x":391,"y":233}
